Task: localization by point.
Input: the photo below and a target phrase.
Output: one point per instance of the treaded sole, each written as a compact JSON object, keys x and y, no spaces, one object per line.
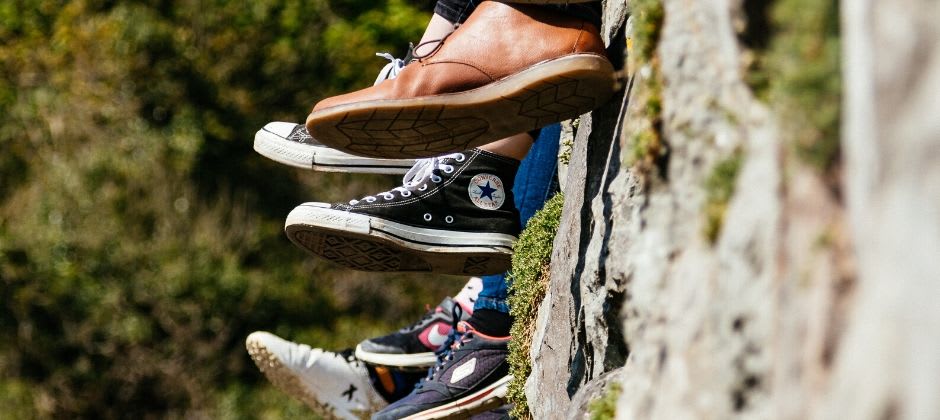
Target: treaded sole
{"x":417,"y":360}
{"x":478,"y":402}
{"x":363,"y":247}
{"x":283,"y":379}
{"x":303,"y":156}
{"x":543,"y":94}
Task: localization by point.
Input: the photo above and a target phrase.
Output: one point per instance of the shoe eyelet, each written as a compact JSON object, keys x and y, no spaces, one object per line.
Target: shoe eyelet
{"x":449,"y":219}
{"x":448,"y":169}
{"x":436,"y":179}
{"x":353,"y":202}
{"x":423,"y":187}
{"x":389,"y":197}
{"x":370,"y":199}
{"x":406,"y":193}
{"x":460,"y":157}
{"x":427,"y":217}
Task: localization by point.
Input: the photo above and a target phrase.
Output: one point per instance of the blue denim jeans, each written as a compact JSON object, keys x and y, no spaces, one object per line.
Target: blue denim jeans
{"x":457,"y":11}
{"x":535,"y":182}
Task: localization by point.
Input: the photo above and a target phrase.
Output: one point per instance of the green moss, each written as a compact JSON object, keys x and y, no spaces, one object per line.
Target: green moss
{"x":564,"y":156}
{"x":643,"y":145}
{"x":529,"y":280}
{"x":646,"y":143}
{"x":798,"y":71}
{"x":719,"y":188}
{"x":648,"y":22}
{"x":646,"y":146}
{"x":567,"y":143}
{"x":605,"y":407}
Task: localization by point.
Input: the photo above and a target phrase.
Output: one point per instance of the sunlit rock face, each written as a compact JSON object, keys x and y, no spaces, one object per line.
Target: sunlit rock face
{"x":735,"y":270}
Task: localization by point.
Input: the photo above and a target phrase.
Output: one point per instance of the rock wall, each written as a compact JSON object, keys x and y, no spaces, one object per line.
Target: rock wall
{"x":888,"y":366}
{"x":814,"y":297}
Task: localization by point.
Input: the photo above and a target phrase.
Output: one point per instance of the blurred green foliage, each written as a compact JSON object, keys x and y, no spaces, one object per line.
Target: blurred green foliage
{"x":794,"y":62}
{"x":140,"y":235}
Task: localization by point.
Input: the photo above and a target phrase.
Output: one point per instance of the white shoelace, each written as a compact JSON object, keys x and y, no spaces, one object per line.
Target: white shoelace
{"x":422,"y":170}
{"x":391,"y":70}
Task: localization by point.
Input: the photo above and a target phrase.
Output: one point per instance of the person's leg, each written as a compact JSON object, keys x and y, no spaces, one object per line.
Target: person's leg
{"x":516,"y":147}
{"x":535,"y":182}
{"x":455,"y":11}
{"x":439,"y":27}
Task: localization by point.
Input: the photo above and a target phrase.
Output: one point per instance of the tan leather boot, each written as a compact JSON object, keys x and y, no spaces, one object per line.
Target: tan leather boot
{"x":509,"y":69}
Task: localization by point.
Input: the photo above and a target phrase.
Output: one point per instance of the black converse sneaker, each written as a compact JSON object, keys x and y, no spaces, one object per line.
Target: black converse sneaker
{"x":290,"y":144}
{"x":453,"y":215}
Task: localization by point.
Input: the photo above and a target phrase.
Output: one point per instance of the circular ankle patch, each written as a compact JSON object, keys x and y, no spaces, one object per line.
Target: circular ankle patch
{"x":486,"y":191}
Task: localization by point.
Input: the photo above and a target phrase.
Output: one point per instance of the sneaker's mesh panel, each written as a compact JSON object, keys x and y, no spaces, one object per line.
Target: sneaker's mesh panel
{"x":429,"y":398}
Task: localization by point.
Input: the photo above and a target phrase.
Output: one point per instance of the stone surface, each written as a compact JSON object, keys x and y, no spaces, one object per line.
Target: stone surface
{"x":572,"y":337}
{"x":889,"y":364}
{"x":580,"y":407}
{"x":817,"y":299}
{"x":577,"y":336}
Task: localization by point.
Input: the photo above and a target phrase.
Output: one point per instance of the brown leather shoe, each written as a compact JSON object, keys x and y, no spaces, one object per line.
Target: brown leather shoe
{"x":509,"y":69}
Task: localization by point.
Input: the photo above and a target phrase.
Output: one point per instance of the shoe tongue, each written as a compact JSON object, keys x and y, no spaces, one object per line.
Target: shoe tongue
{"x":446,"y":305}
{"x":468,"y":295}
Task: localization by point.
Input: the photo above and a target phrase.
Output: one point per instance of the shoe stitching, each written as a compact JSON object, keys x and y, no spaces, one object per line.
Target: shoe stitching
{"x":466,"y":63}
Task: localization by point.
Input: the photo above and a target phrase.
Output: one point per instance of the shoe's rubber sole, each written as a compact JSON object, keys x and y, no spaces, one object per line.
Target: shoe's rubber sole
{"x":548,"y":92}
{"x":370,"y":243}
{"x":488,"y":398}
{"x":415,"y":360}
{"x":283,"y":378}
{"x":324,"y":159}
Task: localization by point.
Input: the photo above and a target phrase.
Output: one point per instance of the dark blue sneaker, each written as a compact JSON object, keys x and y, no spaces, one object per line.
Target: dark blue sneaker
{"x":471,"y":376}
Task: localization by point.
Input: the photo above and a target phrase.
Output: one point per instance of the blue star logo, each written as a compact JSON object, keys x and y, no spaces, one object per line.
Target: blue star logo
{"x":486,"y":191}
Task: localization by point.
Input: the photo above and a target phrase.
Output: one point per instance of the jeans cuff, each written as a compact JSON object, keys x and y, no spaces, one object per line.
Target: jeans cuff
{"x":491,"y":303}
{"x":449,"y":12}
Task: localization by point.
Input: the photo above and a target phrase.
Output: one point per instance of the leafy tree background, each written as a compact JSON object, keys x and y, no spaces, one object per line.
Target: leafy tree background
{"x":140,"y":235}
